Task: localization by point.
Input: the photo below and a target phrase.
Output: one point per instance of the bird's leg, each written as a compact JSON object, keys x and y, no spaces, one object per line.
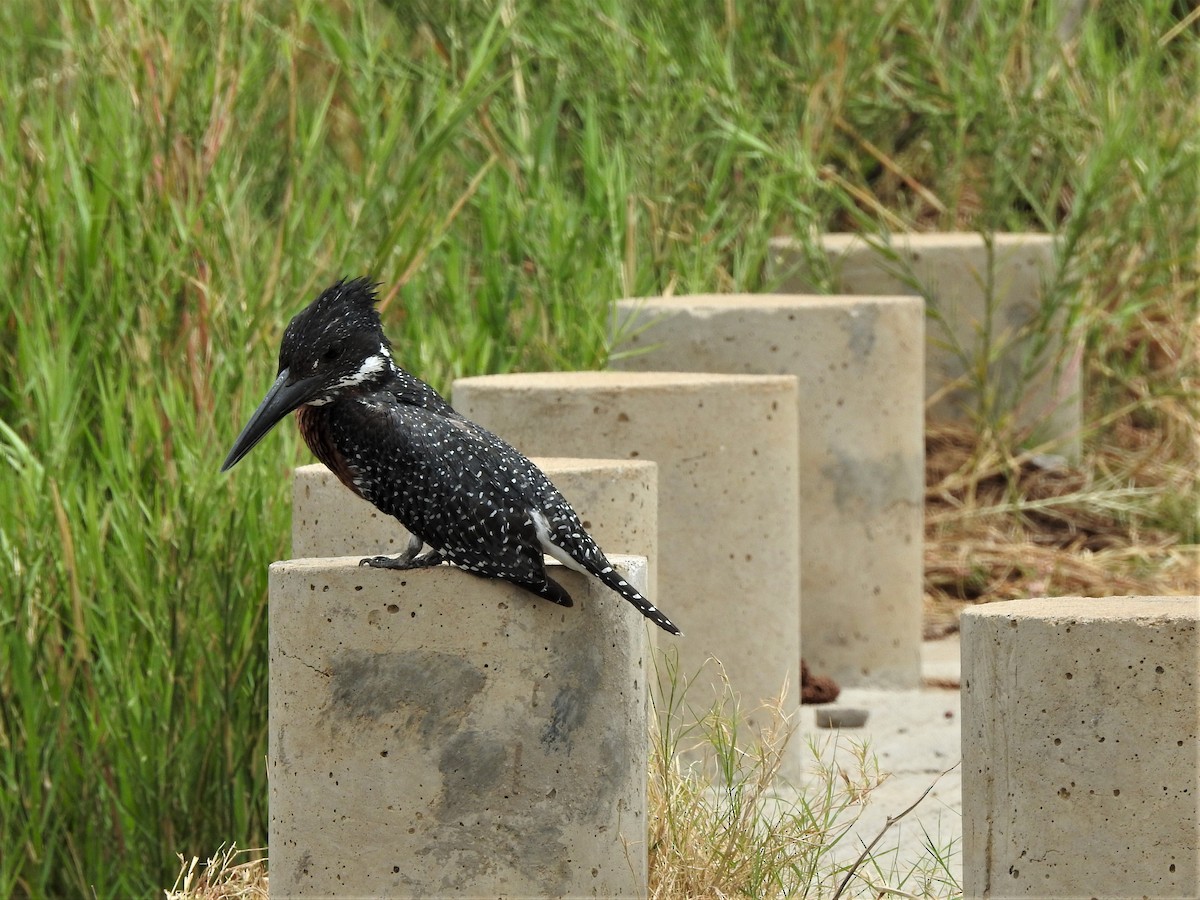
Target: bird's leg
{"x":406,"y":560}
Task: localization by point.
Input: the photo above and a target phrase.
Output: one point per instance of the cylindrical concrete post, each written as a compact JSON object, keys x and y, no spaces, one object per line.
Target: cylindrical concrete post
{"x":1080,"y":719}
{"x":858,"y":362}
{"x":617,"y":499}
{"x":987,"y":309}
{"x":434,"y":734}
{"x":728,"y":527}
{"x":328,"y":519}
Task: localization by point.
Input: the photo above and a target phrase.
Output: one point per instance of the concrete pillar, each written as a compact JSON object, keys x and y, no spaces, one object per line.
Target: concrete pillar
{"x":1080,"y":720}
{"x":728,"y":529}
{"x":861,"y":453}
{"x":617,"y":499}
{"x":1040,"y":385}
{"x":328,"y":519}
{"x":434,"y":734}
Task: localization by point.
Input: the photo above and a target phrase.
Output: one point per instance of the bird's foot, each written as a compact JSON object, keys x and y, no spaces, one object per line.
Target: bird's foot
{"x":425,"y":560}
{"x":403,"y":561}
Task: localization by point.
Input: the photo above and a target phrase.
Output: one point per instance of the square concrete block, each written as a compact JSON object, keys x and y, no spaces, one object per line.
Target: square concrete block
{"x":983,"y":310}
{"x":435,"y":734}
{"x":858,"y":364}
{"x":1080,"y":720}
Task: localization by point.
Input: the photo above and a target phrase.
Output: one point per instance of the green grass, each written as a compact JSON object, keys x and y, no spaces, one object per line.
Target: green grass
{"x":178,"y":178}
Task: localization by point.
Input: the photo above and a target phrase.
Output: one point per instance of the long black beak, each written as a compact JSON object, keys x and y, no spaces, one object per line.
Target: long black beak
{"x":283,"y":397}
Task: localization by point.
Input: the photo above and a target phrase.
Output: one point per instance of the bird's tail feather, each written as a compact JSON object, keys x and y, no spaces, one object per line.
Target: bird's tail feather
{"x":611,"y":577}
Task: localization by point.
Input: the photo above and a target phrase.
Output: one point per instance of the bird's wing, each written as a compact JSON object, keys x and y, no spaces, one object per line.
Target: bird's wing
{"x":564,"y":527}
{"x":450,"y":482}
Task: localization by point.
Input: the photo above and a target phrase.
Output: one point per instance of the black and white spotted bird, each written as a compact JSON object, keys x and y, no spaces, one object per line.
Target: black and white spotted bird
{"x":389,"y":437}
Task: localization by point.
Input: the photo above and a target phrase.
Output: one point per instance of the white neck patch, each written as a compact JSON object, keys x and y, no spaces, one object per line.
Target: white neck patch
{"x":372,"y":365}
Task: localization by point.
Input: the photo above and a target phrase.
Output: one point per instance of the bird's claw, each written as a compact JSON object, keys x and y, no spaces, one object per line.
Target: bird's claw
{"x":403,"y":561}
{"x":383,"y":562}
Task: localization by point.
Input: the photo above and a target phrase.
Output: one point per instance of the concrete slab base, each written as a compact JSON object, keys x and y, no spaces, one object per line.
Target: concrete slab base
{"x":912,"y":736}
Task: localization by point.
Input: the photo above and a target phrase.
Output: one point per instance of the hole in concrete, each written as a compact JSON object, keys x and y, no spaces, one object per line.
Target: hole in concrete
{"x":393,"y":608}
{"x":1069,"y":676}
{"x":1116,"y":792}
{"x":383,"y":753}
{"x":358,"y":587}
{"x":1158,"y":669}
{"x":1057,"y":741}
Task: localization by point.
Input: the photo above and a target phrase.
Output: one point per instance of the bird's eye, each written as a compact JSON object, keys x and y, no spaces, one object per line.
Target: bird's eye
{"x":332,"y":353}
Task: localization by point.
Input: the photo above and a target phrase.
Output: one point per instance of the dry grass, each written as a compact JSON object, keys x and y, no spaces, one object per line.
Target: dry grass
{"x":222,"y":877}
{"x":1002,"y":526}
{"x":723,"y":820}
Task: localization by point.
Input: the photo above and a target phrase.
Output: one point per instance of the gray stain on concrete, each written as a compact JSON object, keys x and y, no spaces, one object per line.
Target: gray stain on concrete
{"x":860,"y":326}
{"x":868,"y":486}
{"x":571,"y":703}
{"x":426,"y":692}
{"x":472,"y":765}
{"x":464,"y":853}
